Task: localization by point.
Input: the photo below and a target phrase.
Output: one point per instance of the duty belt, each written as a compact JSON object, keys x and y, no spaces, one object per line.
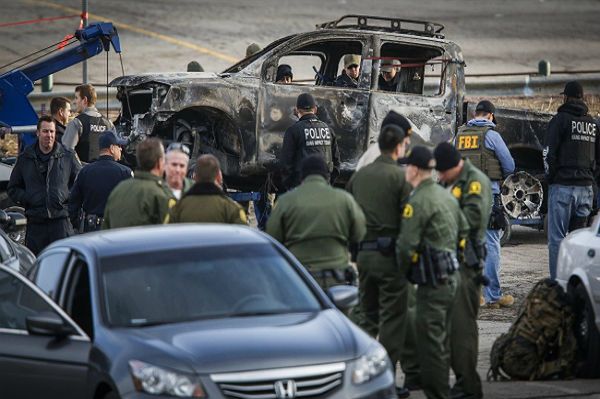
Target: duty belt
{"x":90,"y":222}
{"x":384,"y":245}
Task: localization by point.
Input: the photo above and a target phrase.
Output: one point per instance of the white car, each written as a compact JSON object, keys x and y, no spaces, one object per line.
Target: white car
{"x":578,"y":272}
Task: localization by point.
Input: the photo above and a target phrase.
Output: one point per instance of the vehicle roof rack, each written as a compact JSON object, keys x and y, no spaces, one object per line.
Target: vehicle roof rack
{"x":398,"y":25}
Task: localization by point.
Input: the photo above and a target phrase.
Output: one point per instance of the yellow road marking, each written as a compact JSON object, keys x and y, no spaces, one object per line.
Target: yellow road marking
{"x":141,"y":31}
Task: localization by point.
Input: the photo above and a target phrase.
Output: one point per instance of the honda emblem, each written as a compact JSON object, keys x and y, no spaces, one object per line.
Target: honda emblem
{"x":285,"y":389}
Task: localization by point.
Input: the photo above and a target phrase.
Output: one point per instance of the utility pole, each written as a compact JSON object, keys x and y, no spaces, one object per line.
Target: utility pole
{"x":84,"y":20}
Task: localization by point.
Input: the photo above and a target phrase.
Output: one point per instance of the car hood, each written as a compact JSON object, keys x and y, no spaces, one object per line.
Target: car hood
{"x":175,"y":78}
{"x":251,"y":343}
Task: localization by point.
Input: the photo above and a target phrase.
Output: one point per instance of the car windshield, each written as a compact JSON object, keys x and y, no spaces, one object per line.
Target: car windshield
{"x":151,"y":288}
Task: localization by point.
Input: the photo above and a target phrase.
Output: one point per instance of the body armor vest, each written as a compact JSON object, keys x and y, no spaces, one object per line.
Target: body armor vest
{"x":470,"y":143}
{"x":93,"y":126}
{"x":578,"y":147}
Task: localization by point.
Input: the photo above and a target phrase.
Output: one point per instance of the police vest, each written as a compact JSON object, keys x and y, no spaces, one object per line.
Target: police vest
{"x":470,"y":143}
{"x":316,"y":140}
{"x":93,"y":126}
{"x":578,"y":146}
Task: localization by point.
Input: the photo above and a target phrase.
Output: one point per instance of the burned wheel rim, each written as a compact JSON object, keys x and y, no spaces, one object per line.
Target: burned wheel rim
{"x":522,"y":195}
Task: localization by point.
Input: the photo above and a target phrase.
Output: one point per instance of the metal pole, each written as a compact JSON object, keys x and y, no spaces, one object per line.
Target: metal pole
{"x":84,"y":18}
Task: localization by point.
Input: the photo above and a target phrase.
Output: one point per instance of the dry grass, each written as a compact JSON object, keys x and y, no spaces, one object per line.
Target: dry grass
{"x":542,"y":103}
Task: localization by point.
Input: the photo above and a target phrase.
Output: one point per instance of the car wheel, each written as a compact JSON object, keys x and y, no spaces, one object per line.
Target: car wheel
{"x":17,"y":235}
{"x":506,"y":232}
{"x":588,"y":337}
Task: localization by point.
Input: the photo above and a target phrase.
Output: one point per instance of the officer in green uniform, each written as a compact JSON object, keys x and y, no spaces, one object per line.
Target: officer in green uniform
{"x":381,"y":190}
{"x":145,"y":199}
{"x":472,"y":188}
{"x":432,"y":227}
{"x":317,"y":223}
{"x":206,"y":202}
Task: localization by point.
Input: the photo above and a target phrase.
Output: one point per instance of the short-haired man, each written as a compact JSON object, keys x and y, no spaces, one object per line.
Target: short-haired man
{"x":308,"y":136}
{"x":206,"y":202}
{"x":145,"y":199}
{"x":284,"y":74}
{"x":40,"y":183}
{"x":571,"y":161}
{"x":432,"y":227}
{"x":95,"y":182}
{"x":381,"y":190}
{"x":60,"y":109}
{"x":472,"y":188}
{"x":177,"y":159}
{"x":317,"y":222}
{"x":478,"y":141}
{"x":81,"y":134}
{"x":389,"y":78}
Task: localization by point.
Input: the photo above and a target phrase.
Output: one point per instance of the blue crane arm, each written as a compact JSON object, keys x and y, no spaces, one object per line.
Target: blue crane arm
{"x":15,"y":108}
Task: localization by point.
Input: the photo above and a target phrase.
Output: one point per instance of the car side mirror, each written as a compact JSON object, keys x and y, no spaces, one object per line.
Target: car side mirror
{"x":48,"y":323}
{"x":343,"y":296}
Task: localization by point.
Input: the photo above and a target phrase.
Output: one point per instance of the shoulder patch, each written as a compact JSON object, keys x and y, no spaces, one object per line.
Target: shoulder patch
{"x":475,"y":188}
{"x":243,"y":217}
{"x":408,"y":211}
{"x":457,"y":192}
{"x":172,"y":202}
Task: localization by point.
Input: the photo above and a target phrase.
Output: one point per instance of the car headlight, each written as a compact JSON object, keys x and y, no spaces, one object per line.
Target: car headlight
{"x":370,"y":365}
{"x":156,"y":381}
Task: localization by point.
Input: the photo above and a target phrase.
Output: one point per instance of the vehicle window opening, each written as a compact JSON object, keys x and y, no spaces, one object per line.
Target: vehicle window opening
{"x":419,"y":70}
{"x":49,"y":271}
{"x":319,"y":63}
{"x":78,"y":304}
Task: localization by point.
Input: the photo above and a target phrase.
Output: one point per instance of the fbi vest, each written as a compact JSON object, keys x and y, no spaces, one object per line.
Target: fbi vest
{"x":470,"y":143}
{"x":93,"y":126}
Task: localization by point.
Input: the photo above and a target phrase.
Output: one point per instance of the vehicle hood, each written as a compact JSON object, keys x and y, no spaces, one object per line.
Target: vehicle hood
{"x":165,"y":78}
{"x":252,"y":343}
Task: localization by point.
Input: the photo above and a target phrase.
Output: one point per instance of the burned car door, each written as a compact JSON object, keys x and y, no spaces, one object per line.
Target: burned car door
{"x":315,"y":65}
{"x":427,"y":88}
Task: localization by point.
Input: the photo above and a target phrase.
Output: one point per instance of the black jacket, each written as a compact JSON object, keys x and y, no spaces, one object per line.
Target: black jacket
{"x":94,"y":184}
{"x":392,"y":85}
{"x":572,"y":149}
{"x":60,"y":130}
{"x":308,"y":136}
{"x":346,"y":81}
{"x":43,"y":198}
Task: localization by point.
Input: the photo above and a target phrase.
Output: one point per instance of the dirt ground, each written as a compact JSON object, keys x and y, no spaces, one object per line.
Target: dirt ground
{"x":524,"y":261}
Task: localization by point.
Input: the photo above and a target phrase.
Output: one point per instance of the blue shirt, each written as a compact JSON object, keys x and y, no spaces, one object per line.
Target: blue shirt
{"x":494,"y":142}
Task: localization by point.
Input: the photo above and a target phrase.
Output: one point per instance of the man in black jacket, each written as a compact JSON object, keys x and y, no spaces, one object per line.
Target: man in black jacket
{"x":308,"y":136}
{"x":571,"y":157}
{"x":40,"y":183}
{"x":95,"y":183}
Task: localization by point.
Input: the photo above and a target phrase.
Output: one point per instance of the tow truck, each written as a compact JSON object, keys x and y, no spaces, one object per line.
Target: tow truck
{"x":17,"y":115}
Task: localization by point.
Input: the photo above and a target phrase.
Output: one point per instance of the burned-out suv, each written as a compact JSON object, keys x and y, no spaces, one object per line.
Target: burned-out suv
{"x":241,"y":114}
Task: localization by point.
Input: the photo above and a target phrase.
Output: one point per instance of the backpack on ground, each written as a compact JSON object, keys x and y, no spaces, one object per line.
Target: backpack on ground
{"x":541,"y":343}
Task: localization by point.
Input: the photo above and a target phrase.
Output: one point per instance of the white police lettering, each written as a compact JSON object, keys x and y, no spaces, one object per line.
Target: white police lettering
{"x":317,"y":136}
{"x":97,"y":128}
{"x":583,"y":131}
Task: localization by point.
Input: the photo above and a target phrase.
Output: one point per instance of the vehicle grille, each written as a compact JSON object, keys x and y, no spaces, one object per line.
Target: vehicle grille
{"x":304,"y":382}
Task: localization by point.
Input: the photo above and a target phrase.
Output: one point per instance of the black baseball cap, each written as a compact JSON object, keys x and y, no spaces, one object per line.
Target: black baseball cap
{"x":573,"y":89}
{"x":419,"y":156}
{"x":446,"y":156}
{"x":486,"y":106}
{"x":305,"y":101}
{"x":109,"y":138}
{"x":314,"y":165}
{"x":394,"y":118}
{"x":284,"y":70}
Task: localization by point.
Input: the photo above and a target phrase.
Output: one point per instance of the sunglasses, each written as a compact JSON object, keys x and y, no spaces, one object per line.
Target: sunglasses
{"x":179,"y":147}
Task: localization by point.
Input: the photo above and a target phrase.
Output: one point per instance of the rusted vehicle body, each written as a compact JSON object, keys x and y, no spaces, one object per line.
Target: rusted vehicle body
{"x":241,"y":114}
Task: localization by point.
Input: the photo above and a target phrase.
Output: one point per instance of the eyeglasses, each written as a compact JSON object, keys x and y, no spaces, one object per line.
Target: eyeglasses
{"x":179,"y":147}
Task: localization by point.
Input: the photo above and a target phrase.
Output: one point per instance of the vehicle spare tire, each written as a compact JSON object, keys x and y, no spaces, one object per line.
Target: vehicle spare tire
{"x":588,"y":337}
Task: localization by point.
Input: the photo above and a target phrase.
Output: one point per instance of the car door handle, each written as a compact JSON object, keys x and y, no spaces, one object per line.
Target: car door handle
{"x":591,"y":253}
